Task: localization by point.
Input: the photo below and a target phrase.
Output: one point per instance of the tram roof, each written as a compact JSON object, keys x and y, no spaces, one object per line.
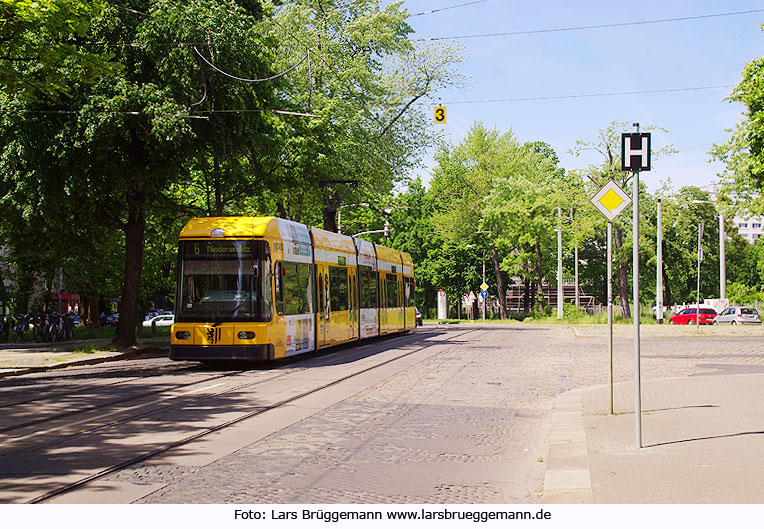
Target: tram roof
{"x":231,"y":226}
{"x":202,"y":227}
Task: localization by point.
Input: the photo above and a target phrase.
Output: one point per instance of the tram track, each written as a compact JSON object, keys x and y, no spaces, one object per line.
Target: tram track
{"x":96,"y":407}
{"x":59,"y":393}
{"x":346,"y":356}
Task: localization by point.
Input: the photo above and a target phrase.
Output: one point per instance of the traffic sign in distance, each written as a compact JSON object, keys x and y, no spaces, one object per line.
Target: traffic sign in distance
{"x":484,"y":294}
{"x":635,"y":151}
{"x":440,"y":114}
{"x":484,"y":287}
{"x":611,"y":200}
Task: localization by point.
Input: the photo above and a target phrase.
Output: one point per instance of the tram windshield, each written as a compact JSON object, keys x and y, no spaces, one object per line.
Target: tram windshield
{"x":224,"y":280}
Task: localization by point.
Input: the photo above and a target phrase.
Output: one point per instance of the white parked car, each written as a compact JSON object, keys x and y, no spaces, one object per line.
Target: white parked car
{"x":163,"y":320}
{"x":738,"y":316}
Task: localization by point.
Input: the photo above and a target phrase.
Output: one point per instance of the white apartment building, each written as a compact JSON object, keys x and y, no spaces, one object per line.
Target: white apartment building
{"x":749,"y":229}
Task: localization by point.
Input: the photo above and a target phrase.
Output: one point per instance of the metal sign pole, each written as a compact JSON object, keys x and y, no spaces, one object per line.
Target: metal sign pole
{"x":635,"y":313}
{"x":635,"y":310}
{"x":610,"y":312}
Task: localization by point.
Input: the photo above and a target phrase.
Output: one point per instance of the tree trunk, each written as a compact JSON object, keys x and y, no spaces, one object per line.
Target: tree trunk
{"x":330,"y":220}
{"x":91,"y":307}
{"x":218,"y":190}
{"x":502,"y":291}
{"x":128,"y":306}
{"x":539,"y":302}
{"x":623,"y":275}
{"x":526,"y":296}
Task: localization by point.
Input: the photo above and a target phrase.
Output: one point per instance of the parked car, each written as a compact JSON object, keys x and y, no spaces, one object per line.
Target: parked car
{"x":112,"y":319}
{"x":418,"y":317}
{"x":738,"y":316}
{"x":689,"y":316}
{"x":163,"y":320}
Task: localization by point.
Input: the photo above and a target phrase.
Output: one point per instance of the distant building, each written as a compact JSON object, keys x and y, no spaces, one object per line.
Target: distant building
{"x":749,"y":228}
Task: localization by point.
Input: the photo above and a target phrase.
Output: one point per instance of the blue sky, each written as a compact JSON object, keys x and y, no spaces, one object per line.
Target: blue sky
{"x":662,"y":56}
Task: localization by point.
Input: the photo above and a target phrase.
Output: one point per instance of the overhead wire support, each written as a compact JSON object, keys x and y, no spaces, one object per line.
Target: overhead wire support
{"x":242,"y":79}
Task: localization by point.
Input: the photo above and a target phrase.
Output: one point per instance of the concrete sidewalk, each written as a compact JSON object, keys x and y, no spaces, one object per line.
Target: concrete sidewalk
{"x":19,"y":359}
{"x":702,"y":442}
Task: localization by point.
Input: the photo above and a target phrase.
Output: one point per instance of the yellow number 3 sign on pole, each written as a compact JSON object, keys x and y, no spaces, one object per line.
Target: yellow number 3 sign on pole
{"x":440,"y":114}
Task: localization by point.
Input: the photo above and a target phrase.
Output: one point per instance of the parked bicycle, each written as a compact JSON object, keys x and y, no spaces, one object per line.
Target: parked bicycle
{"x":21,"y":328}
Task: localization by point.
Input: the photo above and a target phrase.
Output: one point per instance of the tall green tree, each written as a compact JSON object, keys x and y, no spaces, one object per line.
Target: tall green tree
{"x":129,"y":138}
{"x":361,"y":81}
{"x":522,"y":209}
{"x":743,"y":153}
{"x":463,"y":178}
{"x":42,"y":46}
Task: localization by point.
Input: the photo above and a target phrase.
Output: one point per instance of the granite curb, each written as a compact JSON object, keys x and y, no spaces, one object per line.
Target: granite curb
{"x":99,"y":358}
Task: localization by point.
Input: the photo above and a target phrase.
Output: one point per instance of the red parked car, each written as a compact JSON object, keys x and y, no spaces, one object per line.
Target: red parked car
{"x":688,"y":316}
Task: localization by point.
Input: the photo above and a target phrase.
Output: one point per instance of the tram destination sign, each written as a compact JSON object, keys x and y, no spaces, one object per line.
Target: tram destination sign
{"x":206,"y":250}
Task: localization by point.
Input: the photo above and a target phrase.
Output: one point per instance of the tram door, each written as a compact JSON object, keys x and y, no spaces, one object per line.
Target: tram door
{"x":353,"y":294}
{"x":323,"y":305}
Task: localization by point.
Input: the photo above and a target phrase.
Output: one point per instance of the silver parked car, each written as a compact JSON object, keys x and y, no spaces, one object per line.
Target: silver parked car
{"x":738,"y":316}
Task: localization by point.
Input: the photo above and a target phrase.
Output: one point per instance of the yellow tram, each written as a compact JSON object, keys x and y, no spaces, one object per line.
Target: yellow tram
{"x":262,"y":288}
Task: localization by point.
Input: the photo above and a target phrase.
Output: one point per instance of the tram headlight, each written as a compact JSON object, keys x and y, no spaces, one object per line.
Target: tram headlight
{"x":183,"y":335}
{"x":246,"y":335}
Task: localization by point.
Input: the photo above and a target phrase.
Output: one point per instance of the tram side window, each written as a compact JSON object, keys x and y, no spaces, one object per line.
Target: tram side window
{"x":368,"y":287}
{"x":408,"y":291}
{"x":277,"y":274}
{"x":391,"y":282}
{"x":266,"y":300}
{"x":338,"y":288}
{"x":294,"y":288}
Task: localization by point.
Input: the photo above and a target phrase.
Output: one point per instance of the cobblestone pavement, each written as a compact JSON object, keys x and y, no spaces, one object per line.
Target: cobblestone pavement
{"x":468,"y":425}
{"x":464,"y":426}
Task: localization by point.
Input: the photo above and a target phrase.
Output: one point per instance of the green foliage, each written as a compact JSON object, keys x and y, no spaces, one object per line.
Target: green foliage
{"x":743,"y":153}
{"x":742,"y":294}
{"x":152,"y":134}
{"x":41,"y":47}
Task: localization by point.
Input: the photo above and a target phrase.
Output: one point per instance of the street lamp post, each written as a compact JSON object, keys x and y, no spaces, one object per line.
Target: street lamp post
{"x":659,"y":274}
{"x":700,"y":258}
{"x":559,"y":264}
{"x":722,"y":251}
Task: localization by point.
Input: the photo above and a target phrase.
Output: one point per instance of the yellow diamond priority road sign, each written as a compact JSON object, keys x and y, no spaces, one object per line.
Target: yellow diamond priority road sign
{"x":611,"y":200}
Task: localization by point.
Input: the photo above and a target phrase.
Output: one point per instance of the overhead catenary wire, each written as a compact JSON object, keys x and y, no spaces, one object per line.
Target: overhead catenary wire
{"x":473,"y":101}
{"x":271,"y":78}
{"x":581,"y":96}
{"x":438,"y":10}
{"x":591,"y":26}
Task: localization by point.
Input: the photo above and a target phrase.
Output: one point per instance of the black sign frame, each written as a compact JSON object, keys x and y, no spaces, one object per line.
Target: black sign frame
{"x":635,"y":162}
